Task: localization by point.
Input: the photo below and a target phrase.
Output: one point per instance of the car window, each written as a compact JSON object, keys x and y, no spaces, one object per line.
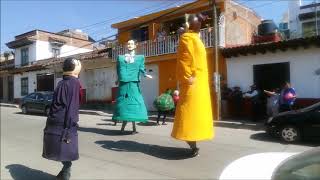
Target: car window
{"x":31,"y":96}
{"x":40,"y":96}
{"x":303,"y":166}
{"x":49,"y":97}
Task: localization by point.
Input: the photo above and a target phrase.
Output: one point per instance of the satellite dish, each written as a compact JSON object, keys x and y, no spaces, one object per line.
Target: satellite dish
{"x":317,"y":71}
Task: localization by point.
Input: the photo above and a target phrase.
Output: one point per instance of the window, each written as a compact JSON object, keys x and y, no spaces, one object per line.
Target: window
{"x":141,"y":34}
{"x":49,"y":97}
{"x":55,"y":52}
{"x":31,"y":96}
{"x":302,"y":166}
{"x":24,"y":86}
{"x":24,"y":56}
{"x":40,"y":97}
{"x":309,"y":28}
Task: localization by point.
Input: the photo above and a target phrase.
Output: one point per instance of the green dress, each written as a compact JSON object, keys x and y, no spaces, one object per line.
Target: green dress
{"x":130,"y":105}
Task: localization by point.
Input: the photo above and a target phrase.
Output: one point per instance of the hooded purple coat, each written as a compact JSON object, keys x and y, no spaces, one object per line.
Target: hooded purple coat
{"x":65,"y":106}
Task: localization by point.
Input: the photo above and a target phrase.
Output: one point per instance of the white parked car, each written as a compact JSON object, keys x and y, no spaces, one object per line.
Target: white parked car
{"x":275,"y":166}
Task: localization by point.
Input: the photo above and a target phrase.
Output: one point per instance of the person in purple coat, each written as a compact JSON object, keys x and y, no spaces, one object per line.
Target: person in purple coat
{"x":60,"y":141}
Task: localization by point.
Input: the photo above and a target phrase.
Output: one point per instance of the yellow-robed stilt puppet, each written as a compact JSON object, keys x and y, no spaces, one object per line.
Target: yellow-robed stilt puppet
{"x":193,"y":119}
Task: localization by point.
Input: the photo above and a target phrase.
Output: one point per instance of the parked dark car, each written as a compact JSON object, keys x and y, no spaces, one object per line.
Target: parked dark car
{"x":38,"y":102}
{"x":293,"y":126}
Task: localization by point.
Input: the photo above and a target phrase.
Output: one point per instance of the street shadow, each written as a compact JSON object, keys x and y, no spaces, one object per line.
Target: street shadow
{"x":151,"y":122}
{"x":106,"y":132}
{"x":267,"y":138}
{"x":168,"y":153}
{"x":106,"y":124}
{"x":31,"y":114}
{"x":255,"y":126}
{"x":148,"y":123}
{"x":21,"y":172}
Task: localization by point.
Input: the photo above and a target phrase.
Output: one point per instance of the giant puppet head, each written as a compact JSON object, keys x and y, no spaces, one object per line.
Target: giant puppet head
{"x":131,"y":45}
{"x":195,"y":20}
{"x":71,"y":67}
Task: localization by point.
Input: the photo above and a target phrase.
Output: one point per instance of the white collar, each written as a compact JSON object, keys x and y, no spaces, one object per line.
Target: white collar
{"x":129,"y":58}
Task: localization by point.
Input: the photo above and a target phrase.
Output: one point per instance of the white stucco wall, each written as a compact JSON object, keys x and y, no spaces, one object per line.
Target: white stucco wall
{"x":98,"y":83}
{"x":44,"y":50}
{"x":32,"y":81}
{"x":32,"y":53}
{"x":303,"y":64}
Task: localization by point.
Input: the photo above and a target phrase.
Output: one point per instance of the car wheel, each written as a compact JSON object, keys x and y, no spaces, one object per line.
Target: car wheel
{"x":24,"y":109}
{"x":47,"y":111}
{"x":290,"y":133}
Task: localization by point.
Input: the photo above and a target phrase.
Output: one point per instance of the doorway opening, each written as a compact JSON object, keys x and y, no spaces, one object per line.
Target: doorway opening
{"x":271,"y":76}
{"x":45,"y":82}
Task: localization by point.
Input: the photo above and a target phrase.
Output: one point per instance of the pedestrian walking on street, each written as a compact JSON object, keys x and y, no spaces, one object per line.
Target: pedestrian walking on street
{"x":130,"y":106}
{"x":256,"y":105}
{"x":175,"y":97}
{"x":272,"y":102}
{"x":60,"y":142}
{"x":193,"y":118}
{"x":164,"y":104}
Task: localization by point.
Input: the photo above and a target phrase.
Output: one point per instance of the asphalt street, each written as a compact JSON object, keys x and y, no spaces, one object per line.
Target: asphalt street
{"x":106,"y":154}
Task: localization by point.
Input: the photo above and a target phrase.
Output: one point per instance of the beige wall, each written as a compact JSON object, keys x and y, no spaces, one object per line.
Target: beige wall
{"x":240,"y":24}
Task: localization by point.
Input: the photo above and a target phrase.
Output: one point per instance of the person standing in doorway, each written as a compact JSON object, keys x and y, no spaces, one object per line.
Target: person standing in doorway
{"x":272,"y":102}
{"x":287,"y":97}
{"x":254,"y":96}
{"x":193,"y":117}
{"x":130,"y":106}
{"x":60,"y":141}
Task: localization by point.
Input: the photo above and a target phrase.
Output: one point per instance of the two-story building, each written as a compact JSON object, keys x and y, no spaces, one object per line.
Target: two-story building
{"x":157,"y":38}
{"x":6,"y":79}
{"x":304,"y":18}
{"x":36,"y":45}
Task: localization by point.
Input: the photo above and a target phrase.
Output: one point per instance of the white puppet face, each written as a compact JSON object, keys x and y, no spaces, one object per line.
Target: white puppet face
{"x":131,"y":45}
{"x":77,"y":68}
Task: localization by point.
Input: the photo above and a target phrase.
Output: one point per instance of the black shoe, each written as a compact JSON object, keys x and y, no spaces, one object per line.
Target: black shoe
{"x":194,"y":152}
{"x":64,"y":175}
{"x":135,"y":132}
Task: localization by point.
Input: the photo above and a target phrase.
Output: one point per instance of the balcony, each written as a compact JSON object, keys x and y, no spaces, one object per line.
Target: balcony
{"x":167,"y":45}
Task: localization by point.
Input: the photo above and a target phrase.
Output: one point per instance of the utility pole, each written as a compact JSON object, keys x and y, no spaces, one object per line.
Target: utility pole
{"x":316,"y":7}
{"x":216,"y":56}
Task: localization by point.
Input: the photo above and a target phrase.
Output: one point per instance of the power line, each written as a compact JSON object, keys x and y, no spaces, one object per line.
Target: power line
{"x":149,"y":9}
{"x":162,"y":7}
{"x":144,"y":23}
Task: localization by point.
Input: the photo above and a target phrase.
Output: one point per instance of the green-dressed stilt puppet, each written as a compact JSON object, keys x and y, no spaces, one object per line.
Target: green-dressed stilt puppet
{"x":130,"y":105}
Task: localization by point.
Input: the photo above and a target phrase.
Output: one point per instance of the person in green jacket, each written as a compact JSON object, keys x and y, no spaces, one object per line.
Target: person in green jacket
{"x":164,"y":104}
{"x":130,"y":106}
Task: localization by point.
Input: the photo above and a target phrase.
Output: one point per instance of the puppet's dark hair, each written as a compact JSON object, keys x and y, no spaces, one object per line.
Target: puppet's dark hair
{"x":69,"y":64}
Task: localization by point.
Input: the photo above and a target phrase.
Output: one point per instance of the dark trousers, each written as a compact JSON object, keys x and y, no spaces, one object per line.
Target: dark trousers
{"x":66,"y":165}
{"x":164,"y":113}
{"x":124,"y":123}
{"x":256,"y":111}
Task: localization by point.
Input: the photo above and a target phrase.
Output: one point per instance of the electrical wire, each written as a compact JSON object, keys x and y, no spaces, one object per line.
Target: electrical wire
{"x":144,"y":23}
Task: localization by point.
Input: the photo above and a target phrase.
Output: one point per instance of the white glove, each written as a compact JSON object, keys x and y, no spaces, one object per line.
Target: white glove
{"x":149,"y":76}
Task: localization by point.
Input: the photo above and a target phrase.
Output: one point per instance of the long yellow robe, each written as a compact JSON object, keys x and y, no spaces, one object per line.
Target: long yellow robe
{"x":193,"y":119}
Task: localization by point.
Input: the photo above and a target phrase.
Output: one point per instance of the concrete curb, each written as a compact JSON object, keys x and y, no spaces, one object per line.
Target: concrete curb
{"x":9,"y":105}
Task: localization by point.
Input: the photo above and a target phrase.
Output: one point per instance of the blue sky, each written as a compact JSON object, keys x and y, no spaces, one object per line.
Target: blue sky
{"x":18,"y":16}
